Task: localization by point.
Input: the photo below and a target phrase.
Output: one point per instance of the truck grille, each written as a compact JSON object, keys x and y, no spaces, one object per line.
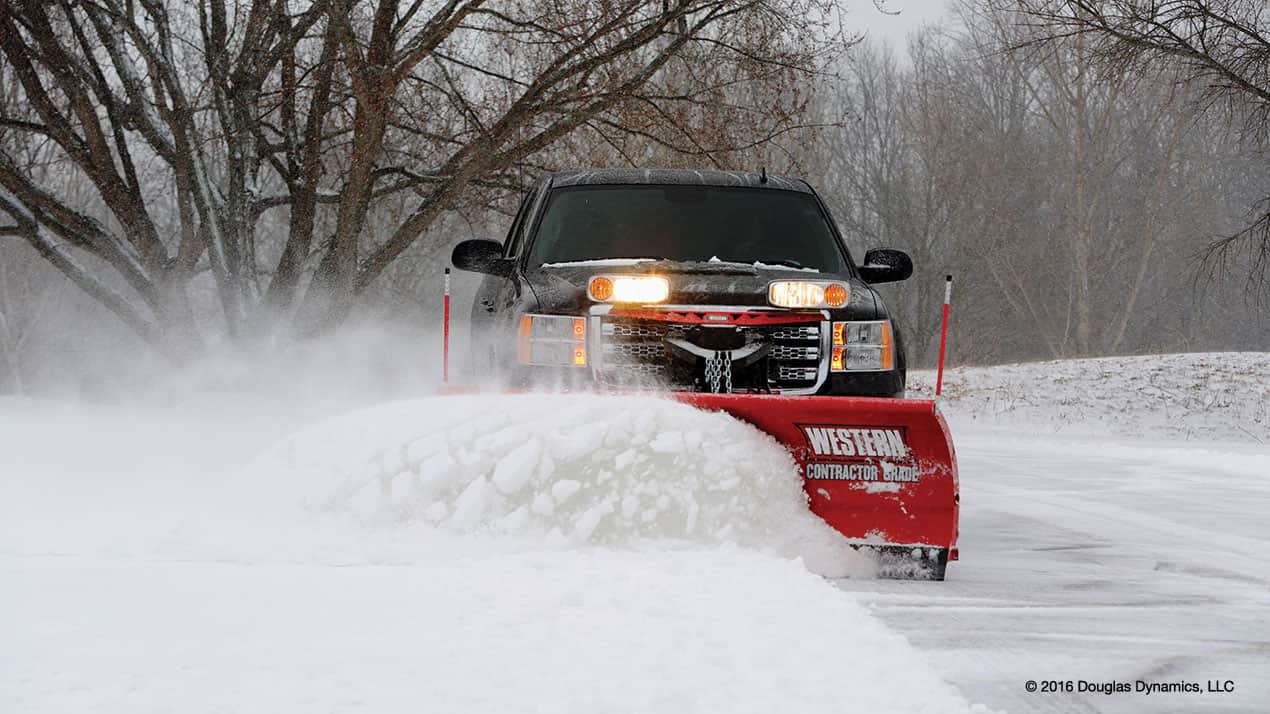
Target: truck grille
{"x":634,"y":353}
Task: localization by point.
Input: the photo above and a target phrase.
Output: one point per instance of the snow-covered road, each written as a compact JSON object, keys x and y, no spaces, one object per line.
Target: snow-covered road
{"x":1099,"y":561}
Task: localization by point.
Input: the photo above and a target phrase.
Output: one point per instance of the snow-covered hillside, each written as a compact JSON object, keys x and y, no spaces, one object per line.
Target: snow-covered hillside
{"x":1202,"y":396}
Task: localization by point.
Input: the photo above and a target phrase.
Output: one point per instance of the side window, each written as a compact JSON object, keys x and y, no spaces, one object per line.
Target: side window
{"x":512,"y":244}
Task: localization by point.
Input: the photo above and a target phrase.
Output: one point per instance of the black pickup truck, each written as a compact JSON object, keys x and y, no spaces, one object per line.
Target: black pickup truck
{"x":703,"y":281}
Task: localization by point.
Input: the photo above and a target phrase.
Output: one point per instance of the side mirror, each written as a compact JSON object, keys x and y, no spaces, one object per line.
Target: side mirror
{"x":481,"y":256}
{"x":883,"y":265}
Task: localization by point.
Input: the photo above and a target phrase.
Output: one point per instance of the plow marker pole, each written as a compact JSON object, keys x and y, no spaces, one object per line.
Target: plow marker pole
{"x":445,"y":332}
{"x":943,"y":336}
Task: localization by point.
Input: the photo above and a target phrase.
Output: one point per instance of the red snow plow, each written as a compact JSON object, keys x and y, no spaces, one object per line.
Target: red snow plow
{"x":880,"y":471}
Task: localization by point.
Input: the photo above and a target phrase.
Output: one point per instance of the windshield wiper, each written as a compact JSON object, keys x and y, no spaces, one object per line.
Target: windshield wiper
{"x":785,"y":262}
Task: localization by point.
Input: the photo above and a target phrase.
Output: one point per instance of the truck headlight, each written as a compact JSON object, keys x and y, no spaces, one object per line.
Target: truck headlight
{"x":807,"y":294}
{"x":643,"y":289}
{"x":863,"y":347}
{"x":557,"y":340}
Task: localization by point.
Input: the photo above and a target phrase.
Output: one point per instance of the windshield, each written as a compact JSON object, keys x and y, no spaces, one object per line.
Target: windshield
{"x":686,"y":223}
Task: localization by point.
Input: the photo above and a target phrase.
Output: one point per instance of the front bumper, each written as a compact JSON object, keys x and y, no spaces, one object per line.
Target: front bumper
{"x":865,"y":384}
{"x":843,"y":384}
{"x":668,"y":348}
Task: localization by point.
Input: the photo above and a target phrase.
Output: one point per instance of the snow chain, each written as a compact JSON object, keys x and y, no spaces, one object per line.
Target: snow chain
{"x":719,"y":372}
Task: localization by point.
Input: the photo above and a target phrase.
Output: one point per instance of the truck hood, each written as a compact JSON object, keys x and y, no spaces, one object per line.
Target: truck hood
{"x":562,"y":287}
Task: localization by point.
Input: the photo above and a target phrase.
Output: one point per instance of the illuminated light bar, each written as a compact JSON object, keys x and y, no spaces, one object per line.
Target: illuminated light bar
{"x":807,"y":294}
{"x":642,"y":289}
{"x":796,"y":294}
{"x":839,"y":334}
{"x":836,"y":364}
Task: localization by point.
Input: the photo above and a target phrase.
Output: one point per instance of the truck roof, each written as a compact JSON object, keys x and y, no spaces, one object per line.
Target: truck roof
{"x":678,"y":177}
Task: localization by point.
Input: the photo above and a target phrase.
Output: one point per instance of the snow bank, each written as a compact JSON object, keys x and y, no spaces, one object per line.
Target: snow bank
{"x":556,"y":470}
{"x":142,"y":569}
{"x":1215,"y":396}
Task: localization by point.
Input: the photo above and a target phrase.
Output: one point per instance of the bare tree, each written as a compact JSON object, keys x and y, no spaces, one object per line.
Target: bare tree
{"x":1223,"y":45}
{"x":1070,"y":199}
{"x":885,"y":166}
{"x":195,"y":124}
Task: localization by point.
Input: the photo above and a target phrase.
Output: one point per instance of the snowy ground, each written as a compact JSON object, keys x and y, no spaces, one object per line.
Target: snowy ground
{"x":1102,"y":561}
{"x":192,"y":560}
{"x":205,"y":557}
{"x":1113,"y":530}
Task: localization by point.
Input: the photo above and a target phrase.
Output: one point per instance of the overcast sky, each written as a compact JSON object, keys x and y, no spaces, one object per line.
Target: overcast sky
{"x":862,"y":15}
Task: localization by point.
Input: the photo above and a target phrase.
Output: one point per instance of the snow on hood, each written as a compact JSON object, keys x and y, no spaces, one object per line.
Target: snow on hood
{"x":767,"y":266}
{"x":626,"y":262}
{"x":601,"y":263}
{"x":558,"y":469}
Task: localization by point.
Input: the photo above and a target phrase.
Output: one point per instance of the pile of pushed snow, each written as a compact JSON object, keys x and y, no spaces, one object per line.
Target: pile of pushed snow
{"x":1216,"y":396}
{"x":557,"y":469}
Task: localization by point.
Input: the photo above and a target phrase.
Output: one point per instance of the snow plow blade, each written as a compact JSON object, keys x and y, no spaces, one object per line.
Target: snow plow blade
{"x":880,"y":471}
